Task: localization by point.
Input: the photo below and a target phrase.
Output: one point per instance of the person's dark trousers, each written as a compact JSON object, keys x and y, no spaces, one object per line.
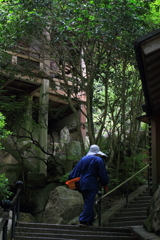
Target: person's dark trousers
{"x":87,"y":216}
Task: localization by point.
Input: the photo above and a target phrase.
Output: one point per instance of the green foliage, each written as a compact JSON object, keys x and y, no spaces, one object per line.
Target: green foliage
{"x":128,"y":169}
{"x":3,"y":132}
{"x":113,"y":182}
{"x":4,"y":187}
{"x":100,"y":33}
{"x":154,"y":16}
{"x":64,"y":178}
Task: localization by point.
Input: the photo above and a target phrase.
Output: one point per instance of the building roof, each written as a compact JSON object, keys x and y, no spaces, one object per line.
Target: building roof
{"x":147,"y":49}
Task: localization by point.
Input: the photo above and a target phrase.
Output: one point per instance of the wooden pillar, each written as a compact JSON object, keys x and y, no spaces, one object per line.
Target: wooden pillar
{"x":155,"y":151}
{"x":43,"y":121}
{"x":29,"y":115}
{"x":154,"y":155}
{"x":158,"y":147}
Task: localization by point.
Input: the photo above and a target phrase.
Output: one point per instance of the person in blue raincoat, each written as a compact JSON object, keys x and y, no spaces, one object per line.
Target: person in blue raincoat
{"x":92,"y":171}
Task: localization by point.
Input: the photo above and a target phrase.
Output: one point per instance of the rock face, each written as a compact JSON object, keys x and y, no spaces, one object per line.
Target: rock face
{"x":73,"y":154}
{"x":26,"y":217}
{"x":152,"y":223}
{"x":62,"y":206}
{"x":74,"y":150}
{"x":38,"y":198}
{"x":64,"y":136}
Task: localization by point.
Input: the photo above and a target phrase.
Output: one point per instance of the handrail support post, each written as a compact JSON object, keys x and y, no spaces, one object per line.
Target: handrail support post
{"x":5,"y":228}
{"x":99,"y":207}
{"x":126,"y":194}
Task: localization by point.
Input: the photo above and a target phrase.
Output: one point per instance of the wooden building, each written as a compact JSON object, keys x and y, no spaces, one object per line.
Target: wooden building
{"x":147,"y":49}
{"x":36,"y":83}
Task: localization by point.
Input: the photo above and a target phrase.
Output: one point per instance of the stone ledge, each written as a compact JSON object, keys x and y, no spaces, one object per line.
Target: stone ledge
{"x":142,"y":234}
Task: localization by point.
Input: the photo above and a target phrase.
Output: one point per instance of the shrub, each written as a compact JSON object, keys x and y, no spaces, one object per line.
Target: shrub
{"x":4,"y":187}
{"x":3,"y":132}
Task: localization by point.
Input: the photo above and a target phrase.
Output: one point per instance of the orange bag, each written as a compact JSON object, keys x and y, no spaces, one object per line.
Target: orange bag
{"x":73,"y":183}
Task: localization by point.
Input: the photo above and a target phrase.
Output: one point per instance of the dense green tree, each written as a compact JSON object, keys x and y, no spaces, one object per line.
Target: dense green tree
{"x":94,"y":41}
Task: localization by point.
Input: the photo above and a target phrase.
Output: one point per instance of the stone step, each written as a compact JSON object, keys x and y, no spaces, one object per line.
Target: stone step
{"x":69,"y":227}
{"x":126,"y":219}
{"x":26,"y":231}
{"x":118,"y":227}
{"x":141,"y":200}
{"x":144,"y":198}
{"x":124,"y":224}
{"x":131,"y":213}
{"x":132,"y":209}
{"x":46,"y":238}
{"x":67,"y":238}
{"x":138,"y":205}
{"x":73,"y":236}
{"x":145,"y":193}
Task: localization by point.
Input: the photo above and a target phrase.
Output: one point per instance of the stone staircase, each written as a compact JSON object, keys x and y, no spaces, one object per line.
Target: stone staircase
{"x":133,"y":215}
{"x":120,"y":224}
{"x":32,"y":231}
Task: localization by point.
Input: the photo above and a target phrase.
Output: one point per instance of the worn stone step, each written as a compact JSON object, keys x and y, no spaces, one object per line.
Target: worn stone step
{"x":141,"y":201}
{"x":46,"y":238}
{"x":69,"y":227}
{"x":146,"y":191}
{"x":126,"y":219}
{"x":124,"y":224}
{"x":118,"y":226}
{"x":28,"y":231}
{"x":147,"y":195}
{"x":145,"y":198}
{"x":25,"y":230}
{"x":75,"y":237}
{"x":132,"y":209}
{"x":131,"y":213}
{"x":138,"y":205}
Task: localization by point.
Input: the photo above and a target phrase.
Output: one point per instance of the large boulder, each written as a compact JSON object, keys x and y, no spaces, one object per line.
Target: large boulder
{"x":30,"y":164}
{"x":152,"y":223}
{"x":62,"y":206}
{"x":26,"y":217}
{"x":37,"y":198}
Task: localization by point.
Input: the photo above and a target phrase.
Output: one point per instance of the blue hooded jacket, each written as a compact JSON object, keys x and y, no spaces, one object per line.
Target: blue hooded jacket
{"x":92,"y":171}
